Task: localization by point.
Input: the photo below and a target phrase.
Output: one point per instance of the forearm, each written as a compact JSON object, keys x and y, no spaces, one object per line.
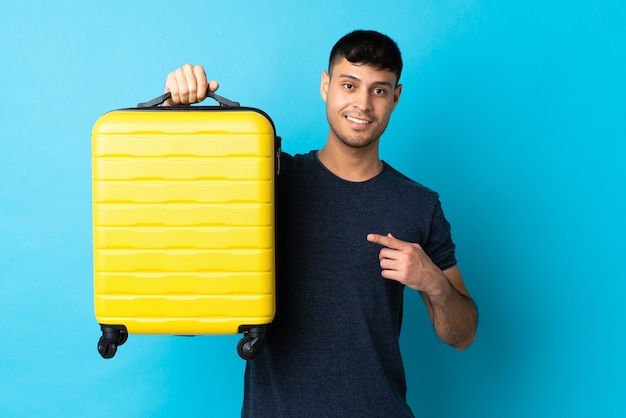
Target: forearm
{"x":454,"y":316}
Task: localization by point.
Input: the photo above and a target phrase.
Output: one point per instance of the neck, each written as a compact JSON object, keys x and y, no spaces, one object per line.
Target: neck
{"x":351,"y":164}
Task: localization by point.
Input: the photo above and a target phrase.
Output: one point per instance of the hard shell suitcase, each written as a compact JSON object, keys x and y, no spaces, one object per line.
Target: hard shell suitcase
{"x":184,"y":222}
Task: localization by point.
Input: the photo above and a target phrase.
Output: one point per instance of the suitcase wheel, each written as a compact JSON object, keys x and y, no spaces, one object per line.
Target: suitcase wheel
{"x":110,"y":340}
{"x":248,"y":347}
{"x":253,"y":337}
{"x":106,"y":350}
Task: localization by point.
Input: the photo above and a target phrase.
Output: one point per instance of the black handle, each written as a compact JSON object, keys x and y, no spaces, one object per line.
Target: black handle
{"x":161,"y":99}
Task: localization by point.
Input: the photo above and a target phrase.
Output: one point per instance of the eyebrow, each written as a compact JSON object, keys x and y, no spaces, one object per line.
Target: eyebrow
{"x":376,"y":83}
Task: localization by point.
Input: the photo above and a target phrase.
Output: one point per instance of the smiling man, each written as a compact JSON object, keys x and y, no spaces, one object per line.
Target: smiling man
{"x":353,"y":233}
{"x":359,"y":101}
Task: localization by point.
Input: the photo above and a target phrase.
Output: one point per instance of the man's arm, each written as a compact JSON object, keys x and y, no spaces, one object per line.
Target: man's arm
{"x":452,"y":311}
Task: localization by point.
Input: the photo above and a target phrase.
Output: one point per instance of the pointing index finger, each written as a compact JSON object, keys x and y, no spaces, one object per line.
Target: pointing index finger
{"x":385,"y":240}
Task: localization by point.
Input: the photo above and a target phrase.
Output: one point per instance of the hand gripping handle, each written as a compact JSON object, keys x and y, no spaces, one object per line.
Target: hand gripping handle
{"x":161,"y":99}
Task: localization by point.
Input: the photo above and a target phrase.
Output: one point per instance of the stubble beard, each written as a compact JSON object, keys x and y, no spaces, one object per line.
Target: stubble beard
{"x":354,"y":141}
{"x":357,"y":140}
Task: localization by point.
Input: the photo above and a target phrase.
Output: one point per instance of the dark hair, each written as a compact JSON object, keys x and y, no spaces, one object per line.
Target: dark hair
{"x":369,"y":48}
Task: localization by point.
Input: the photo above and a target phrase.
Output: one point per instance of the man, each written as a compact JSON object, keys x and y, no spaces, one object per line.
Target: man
{"x":346,"y":218}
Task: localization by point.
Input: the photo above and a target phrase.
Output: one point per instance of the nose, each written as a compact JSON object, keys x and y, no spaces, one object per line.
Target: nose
{"x":363,"y":101}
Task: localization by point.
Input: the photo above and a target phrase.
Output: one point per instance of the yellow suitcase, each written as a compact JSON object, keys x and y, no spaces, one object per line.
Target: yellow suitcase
{"x":184,"y":222}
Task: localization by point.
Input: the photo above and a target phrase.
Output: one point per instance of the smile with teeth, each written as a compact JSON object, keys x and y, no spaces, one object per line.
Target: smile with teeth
{"x":356,"y":120}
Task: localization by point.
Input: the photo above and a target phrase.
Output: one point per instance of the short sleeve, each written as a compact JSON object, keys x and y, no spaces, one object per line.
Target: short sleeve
{"x":440,"y":247}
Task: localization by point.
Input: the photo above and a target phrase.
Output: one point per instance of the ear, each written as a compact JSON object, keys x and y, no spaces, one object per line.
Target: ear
{"x":324,"y":85}
{"x":396,"y":95}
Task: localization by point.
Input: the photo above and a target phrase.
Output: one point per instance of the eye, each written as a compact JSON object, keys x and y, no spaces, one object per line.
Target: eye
{"x":380,"y":92}
{"x":348,"y":86}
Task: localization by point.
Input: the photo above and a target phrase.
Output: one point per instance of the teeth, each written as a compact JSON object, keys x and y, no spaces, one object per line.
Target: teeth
{"x":355,"y":120}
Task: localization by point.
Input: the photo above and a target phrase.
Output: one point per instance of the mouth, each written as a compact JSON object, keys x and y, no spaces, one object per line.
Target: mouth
{"x":357,"y":120}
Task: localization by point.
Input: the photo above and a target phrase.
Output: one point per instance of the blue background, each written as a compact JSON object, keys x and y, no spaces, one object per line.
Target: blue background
{"x":514,"y":111}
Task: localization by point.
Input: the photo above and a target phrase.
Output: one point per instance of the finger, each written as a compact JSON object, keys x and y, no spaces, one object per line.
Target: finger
{"x":171,"y":86}
{"x":188,"y":84}
{"x":391,"y":275}
{"x":388,"y":264}
{"x":176,"y":86}
{"x":213,"y":86}
{"x":375,"y":238}
{"x":389,"y":254}
{"x":388,"y":241}
{"x":201,"y":82}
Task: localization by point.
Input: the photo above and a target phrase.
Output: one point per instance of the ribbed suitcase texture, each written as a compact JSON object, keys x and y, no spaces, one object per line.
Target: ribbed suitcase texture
{"x":183,"y":215}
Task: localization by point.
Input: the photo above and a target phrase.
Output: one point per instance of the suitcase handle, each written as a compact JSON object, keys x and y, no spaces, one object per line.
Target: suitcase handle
{"x":161,"y":99}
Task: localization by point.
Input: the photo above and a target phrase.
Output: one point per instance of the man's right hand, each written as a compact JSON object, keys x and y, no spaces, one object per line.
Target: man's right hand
{"x":187,"y":85}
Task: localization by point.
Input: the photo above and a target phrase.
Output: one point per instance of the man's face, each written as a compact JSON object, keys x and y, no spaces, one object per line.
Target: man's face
{"x":359,"y":101}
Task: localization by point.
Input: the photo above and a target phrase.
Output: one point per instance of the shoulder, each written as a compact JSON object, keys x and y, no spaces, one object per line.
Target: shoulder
{"x":294,"y":163}
{"x":402,"y":183}
{"x":298,"y":157}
